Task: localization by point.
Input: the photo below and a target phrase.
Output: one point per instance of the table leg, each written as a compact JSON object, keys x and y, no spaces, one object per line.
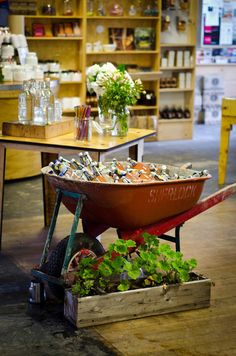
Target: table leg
{"x":49,"y":195}
{"x":2,"y":176}
{"x":136,"y":151}
{"x":224,"y":148}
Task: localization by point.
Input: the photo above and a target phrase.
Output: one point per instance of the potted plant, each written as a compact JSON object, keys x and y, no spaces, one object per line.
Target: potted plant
{"x":132,"y":281}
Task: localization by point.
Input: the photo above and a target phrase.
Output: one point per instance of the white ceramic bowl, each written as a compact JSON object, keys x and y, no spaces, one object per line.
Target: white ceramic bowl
{"x":109,"y":47}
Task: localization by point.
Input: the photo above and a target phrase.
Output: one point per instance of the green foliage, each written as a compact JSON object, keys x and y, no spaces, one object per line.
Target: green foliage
{"x":149,"y":264}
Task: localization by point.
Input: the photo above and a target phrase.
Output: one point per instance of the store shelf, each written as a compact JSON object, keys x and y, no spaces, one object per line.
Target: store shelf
{"x":177,"y":45}
{"x":69,"y":83}
{"x":134,"y":108}
{"x":175,"y":68}
{"x":167,"y":121}
{"x":145,"y":76}
{"x":64,"y":38}
{"x":123,"y":18}
{"x":133,"y":52}
{"x":51,"y":17}
{"x":173,"y":90}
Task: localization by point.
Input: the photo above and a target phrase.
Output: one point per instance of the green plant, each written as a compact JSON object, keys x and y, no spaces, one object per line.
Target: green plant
{"x":149,"y":264}
{"x":115,"y":90}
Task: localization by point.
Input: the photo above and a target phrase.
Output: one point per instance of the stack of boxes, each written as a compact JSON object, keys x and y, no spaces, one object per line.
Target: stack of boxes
{"x":213,"y":92}
{"x":209,"y":91}
{"x":198,"y":104}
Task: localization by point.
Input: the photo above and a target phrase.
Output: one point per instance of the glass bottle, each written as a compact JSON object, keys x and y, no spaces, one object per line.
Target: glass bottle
{"x":101,"y":11}
{"x":68,"y":8}
{"x":90,"y":7}
{"x":38,"y":114}
{"x":25,"y":104}
{"x":47,"y":102}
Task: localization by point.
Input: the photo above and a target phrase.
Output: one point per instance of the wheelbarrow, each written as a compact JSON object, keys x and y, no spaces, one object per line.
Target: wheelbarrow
{"x":155,"y":207}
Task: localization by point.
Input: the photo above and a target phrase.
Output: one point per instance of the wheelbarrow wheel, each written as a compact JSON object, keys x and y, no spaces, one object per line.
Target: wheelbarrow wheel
{"x":84,"y":246}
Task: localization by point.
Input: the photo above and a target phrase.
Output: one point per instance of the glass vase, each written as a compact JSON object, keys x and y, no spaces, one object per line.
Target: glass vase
{"x":120,"y":123}
{"x":105,"y":121}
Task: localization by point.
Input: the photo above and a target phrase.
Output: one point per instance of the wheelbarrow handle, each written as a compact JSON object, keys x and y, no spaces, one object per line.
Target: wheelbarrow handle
{"x":169,"y":223}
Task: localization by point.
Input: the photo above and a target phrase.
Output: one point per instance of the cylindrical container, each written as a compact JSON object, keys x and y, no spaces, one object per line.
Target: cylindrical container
{"x":83,"y":129}
{"x":8,"y":73}
{"x":19,"y":74}
{"x":31,"y":59}
{"x":36,"y":292}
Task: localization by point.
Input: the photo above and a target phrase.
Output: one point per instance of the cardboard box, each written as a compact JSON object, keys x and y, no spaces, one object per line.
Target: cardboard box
{"x":171,"y":58}
{"x":213,"y":82}
{"x":212,"y":98}
{"x":188,"y":80}
{"x":187,"y":61}
{"x":179,"y":59}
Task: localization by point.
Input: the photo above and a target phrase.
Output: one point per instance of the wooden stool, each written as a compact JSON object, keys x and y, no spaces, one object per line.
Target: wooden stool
{"x":228,"y":119}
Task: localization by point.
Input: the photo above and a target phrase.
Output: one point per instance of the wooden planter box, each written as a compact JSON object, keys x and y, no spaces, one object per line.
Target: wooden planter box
{"x":108,"y":308}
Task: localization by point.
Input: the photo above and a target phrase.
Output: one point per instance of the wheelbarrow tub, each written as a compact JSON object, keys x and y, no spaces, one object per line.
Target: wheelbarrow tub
{"x":129,"y":206}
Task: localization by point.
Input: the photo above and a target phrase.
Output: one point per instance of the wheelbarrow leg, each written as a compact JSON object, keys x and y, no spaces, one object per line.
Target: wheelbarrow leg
{"x":51,"y":229}
{"x":71,"y":240}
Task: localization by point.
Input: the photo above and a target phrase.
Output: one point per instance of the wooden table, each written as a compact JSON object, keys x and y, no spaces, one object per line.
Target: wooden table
{"x":99,"y":147}
{"x":227,"y":121}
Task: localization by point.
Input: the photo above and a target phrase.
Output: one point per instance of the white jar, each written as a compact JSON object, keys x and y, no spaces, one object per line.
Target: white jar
{"x":76,"y":77}
{"x":19,"y":74}
{"x":54,"y":67}
{"x":7,"y":72}
{"x":39,"y":73}
{"x":7,"y":51}
{"x":31,"y":59}
{"x":65,"y":76}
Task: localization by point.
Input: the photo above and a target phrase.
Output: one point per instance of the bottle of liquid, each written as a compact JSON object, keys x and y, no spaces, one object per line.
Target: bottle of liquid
{"x":90,"y":8}
{"x":138,"y":165}
{"x":68,"y":8}
{"x":25,"y":104}
{"x":47,"y":102}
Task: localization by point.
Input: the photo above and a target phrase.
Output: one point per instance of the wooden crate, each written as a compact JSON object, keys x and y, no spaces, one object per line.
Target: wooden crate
{"x":66,"y":125}
{"x":133,"y":304}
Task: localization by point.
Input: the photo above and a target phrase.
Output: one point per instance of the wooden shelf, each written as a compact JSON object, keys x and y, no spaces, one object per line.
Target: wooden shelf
{"x":145,"y":76}
{"x":69,"y":83}
{"x":122,"y":18}
{"x":167,"y":121}
{"x":51,"y":17}
{"x":177,"y":45}
{"x":122,"y":52}
{"x":135,"y":107}
{"x":173,"y":90}
{"x":176,"y":68}
{"x":53,"y":38}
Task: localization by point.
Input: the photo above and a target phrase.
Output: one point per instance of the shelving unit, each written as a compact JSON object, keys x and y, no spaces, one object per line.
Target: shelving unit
{"x":182,"y":128}
{"x":71,"y":54}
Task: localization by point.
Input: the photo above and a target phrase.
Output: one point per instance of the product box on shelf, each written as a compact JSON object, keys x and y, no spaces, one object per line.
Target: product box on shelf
{"x":171,"y":58}
{"x":187,"y":61}
{"x":179,"y":59}
{"x":212,"y":98}
{"x":213,"y":82}
{"x":188,"y":80}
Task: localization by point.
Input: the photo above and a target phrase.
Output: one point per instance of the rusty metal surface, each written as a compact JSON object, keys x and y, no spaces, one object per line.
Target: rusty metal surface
{"x":129,"y":206}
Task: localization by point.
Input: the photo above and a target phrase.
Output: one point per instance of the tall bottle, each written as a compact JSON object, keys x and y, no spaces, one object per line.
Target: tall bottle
{"x":25,"y":104}
{"x":47,"y":102}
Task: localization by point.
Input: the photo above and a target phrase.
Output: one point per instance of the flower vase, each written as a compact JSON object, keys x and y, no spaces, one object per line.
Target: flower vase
{"x":105,"y":121}
{"x":120,"y":123}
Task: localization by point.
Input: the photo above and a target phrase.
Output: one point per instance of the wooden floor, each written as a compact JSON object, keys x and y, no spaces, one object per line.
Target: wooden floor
{"x":211,"y":239}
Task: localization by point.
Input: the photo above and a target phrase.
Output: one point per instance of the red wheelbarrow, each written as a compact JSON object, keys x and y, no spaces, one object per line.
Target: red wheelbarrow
{"x":155,"y":207}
